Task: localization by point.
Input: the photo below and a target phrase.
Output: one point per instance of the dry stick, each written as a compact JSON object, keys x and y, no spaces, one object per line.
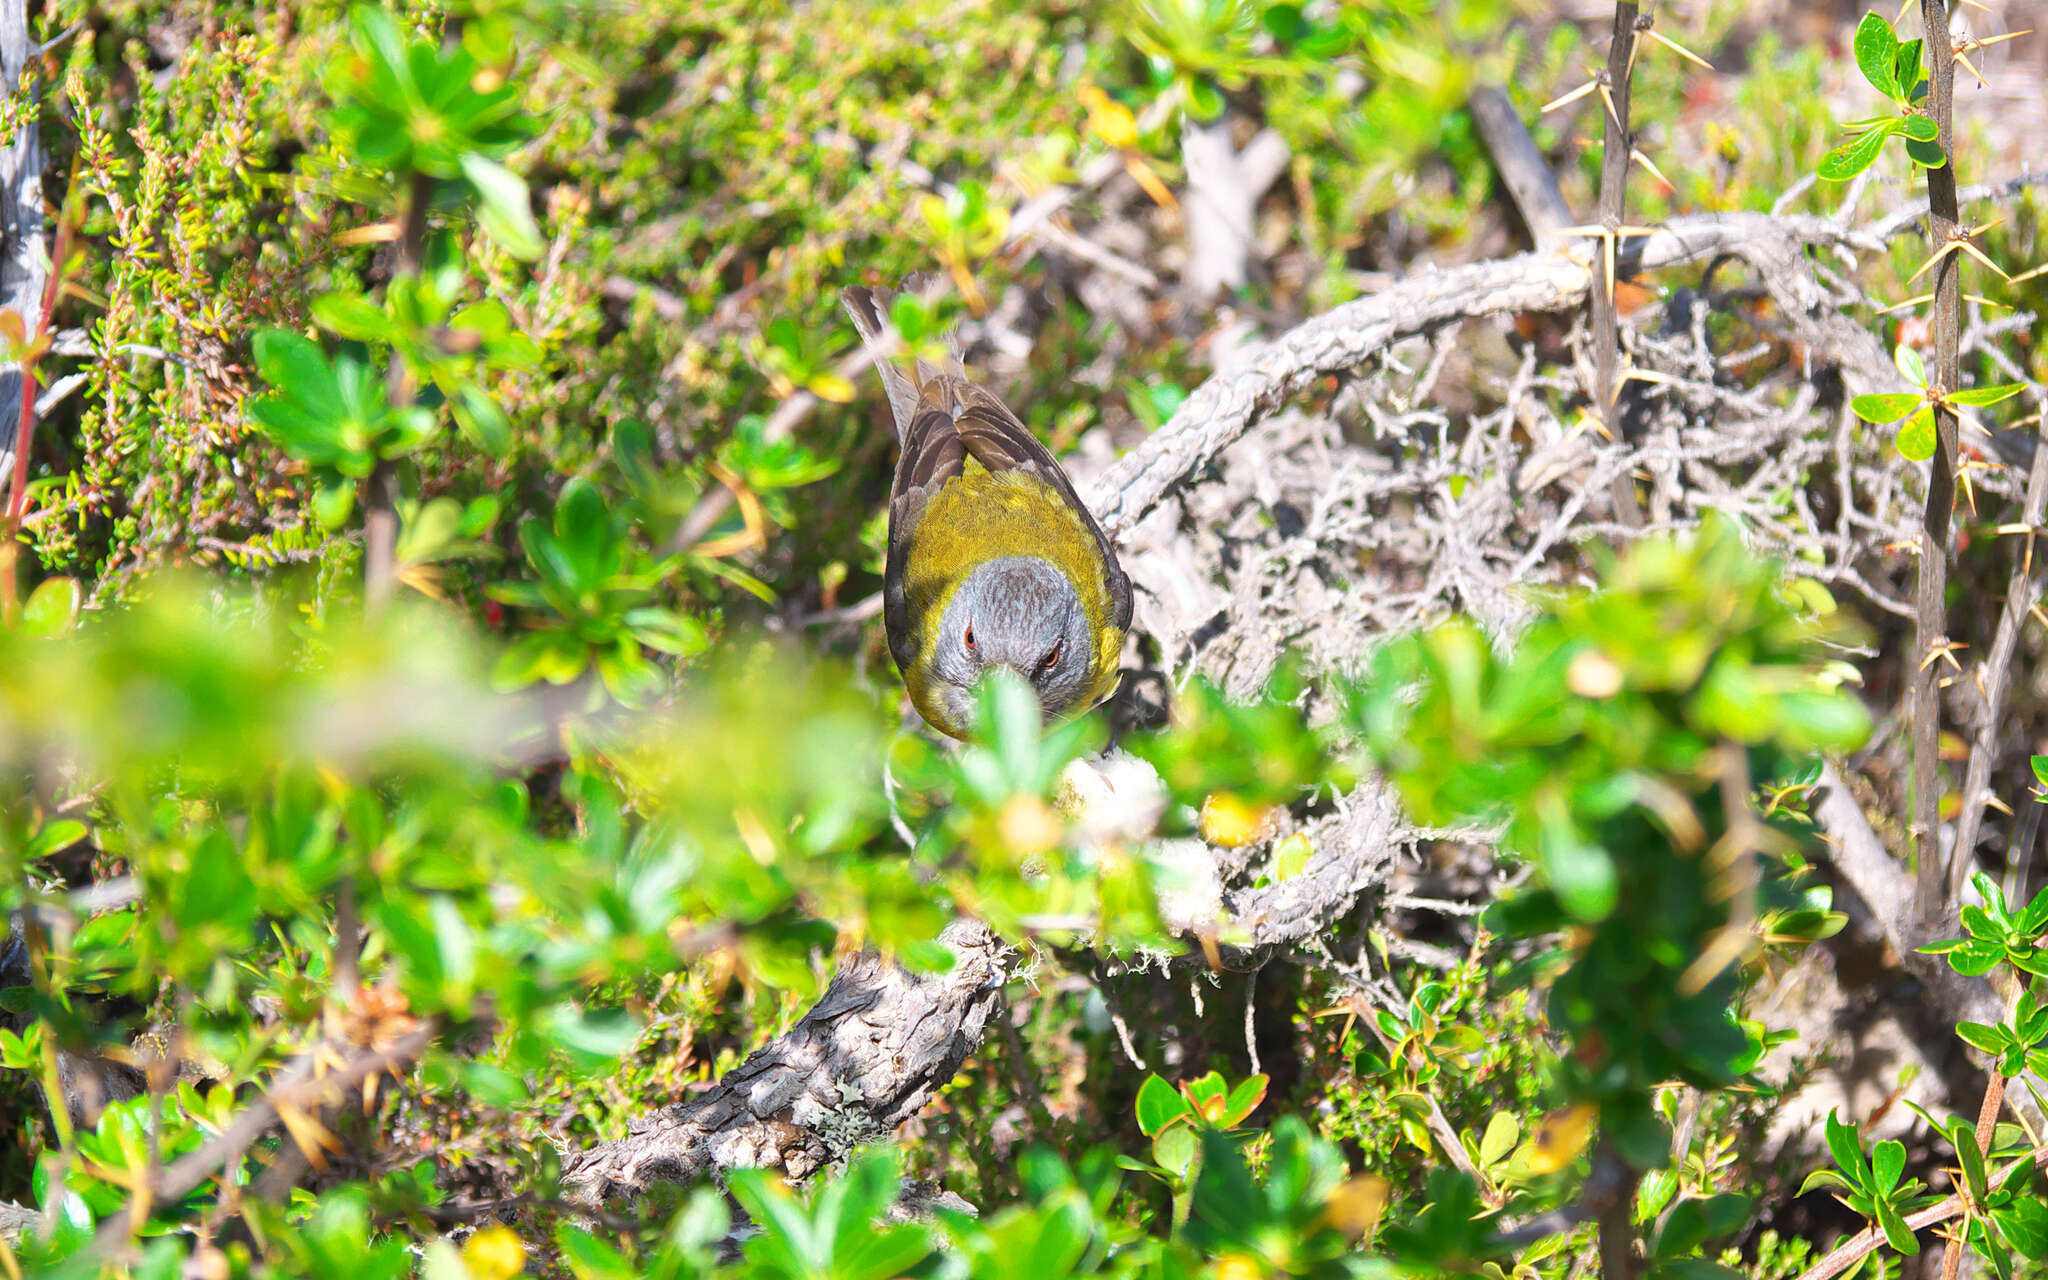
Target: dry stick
{"x":1523,"y":170}
{"x":1227,"y":405}
{"x":1614,"y":162}
{"x":1857,"y":1247}
{"x":2021,"y":590}
{"x":301,"y":1086}
{"x":867,"y":1057}
{"x":380,"y":503}
{"x":1611,"y":1195}
{"x":1930,"y":629}
{"x":380,"y":554}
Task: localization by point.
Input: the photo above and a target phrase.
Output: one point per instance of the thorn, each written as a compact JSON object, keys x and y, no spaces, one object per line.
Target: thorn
{"x":1676,"y":47}
{"x":1945,"y":651}
{"x":2025,"y":276}
{"x":1569,"y":98}
{"x":1939,"y":254}
{"x":1979,"y":255}
{"x":1985,"y":42}
{"x":1613,"y":112}
{"x":1910,"y":302}
{"x":1643,"y":160}
{"x":1963,"y":61}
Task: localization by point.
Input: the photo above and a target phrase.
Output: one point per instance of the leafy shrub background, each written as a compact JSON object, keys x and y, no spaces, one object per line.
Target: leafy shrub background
{"x":591,"y":922}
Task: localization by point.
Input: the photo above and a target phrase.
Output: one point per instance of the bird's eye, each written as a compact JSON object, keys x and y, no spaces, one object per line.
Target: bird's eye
{"x":970,"y":637}
{"x":1051,"y":658}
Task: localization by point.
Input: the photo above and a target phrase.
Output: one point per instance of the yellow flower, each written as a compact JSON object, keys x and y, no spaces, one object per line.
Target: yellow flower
{"x":494,"y":1253}
{"x":1227,"y":820}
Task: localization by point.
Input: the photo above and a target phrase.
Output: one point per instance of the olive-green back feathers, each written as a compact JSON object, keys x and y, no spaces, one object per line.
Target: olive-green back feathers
{"x":944,"y":422}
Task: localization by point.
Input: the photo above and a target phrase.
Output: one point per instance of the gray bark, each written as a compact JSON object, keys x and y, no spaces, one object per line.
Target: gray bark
{"x":865,"y":1058}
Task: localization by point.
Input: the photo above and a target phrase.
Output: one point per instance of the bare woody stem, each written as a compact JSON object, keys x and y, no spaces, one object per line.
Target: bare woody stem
{"x":1870,"y":1239}
{"x":1614,"y":163}
{"x":1930,"y":610}
{"x":380,"y":502}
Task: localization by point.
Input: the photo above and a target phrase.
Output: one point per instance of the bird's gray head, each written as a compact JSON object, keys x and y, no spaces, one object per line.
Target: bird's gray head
{"x":1017,"y":612}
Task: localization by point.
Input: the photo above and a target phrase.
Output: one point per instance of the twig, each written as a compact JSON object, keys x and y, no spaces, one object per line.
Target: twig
{"x":1857,"y":1247}
{"x":1614,"y":165}
{"x":1930,"y":621}
{"x":2021,"y":590}
{"x":1611,"y":1195}
{"x":1987,"y":1123}
{"x":306,"y":1083}
{"x":380,"y":500}
{"x":1523,"y":171}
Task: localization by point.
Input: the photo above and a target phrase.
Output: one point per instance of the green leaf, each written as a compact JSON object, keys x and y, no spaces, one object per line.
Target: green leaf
{"x":1857,"y":154}
{"x":1916,"y":439}
{"x":1979,"y":397}
{"x":504,"y":209}
{"x":1175,"y":1148}
{"x":1844,"y":1145}
{"x":1970,"y":1159}
{"x":604,"y":1033}
{"x":52,"y":607}
{"x":481,"y":421}
{"x":1887,"y":1165}
{"x":1885,"y":407}
{"x":1243,"y":1100}
{"x":1920,"y":129}
{"x":1989,"y":1039}
{"x":1906,"y":69}
{"x":2024,"y":1223}
{"x":333,"y":499}
{"x":1503,"y":1131}
{"x":1159,"y":1105}
{"x":1912,"y":367}
{"x":1926,"y":154}
{"x":1877,"y":49}
{"x":1896,"y":1232}
{"x":354,"y":316}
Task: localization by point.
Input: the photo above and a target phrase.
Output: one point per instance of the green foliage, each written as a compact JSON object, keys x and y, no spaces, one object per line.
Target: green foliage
{"x":600,"y":860}
{"x":1605,"y":746}
{"x":1916,"y":435}
{"x":1892,"y":67}
{"x":1998,"y":935}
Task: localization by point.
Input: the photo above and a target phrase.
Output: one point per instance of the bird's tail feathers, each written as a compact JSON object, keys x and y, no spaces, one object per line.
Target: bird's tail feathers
{"x":870,"y":309}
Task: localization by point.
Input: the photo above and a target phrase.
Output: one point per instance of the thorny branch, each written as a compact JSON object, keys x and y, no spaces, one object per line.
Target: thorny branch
{"x":1616,"y":154}
{"x":1930,"y":609}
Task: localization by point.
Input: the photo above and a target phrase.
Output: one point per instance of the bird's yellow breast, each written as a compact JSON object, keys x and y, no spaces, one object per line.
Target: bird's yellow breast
{"x":981,"y":515}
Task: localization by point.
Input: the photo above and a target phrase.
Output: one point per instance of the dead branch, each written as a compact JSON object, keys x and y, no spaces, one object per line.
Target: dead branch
{"x":867,"y":1057}
{"x":2022,"y":590}
{"x":1930,"y":593}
